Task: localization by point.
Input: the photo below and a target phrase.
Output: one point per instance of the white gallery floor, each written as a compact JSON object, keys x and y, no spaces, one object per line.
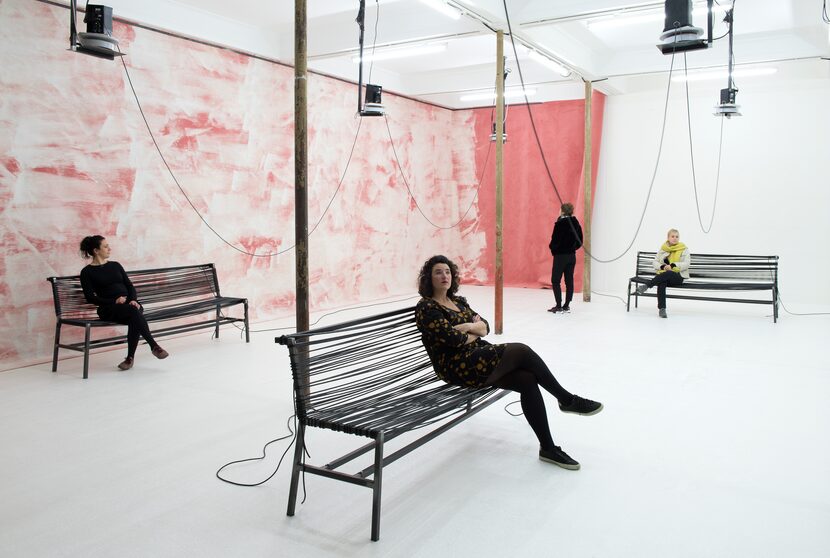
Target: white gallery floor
{"x":714,"y":441}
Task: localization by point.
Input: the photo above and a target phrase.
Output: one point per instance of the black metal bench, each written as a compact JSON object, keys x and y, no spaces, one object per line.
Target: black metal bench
{"x":166,"y":294}
{"x":372,"y":378}
{"x":715,"y":272}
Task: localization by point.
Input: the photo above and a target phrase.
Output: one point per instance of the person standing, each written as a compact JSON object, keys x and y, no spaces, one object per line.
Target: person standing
{"x":565,"y":240}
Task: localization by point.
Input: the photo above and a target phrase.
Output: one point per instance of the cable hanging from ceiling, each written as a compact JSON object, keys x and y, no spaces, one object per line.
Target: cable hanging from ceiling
{"x":704,"y":228}
{"x":547,"y":167}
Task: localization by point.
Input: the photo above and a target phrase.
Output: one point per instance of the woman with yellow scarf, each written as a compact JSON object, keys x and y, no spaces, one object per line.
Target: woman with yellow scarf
{"x":672,"y":266}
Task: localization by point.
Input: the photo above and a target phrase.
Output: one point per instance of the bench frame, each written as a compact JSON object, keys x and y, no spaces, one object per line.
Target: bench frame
{"x":706,"y":270}
{"x":469,"y":402}
{"x":72,"y":309}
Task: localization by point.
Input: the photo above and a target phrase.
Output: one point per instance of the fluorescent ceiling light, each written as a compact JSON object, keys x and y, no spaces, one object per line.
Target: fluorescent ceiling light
{"x":548,"y":63}
{"x":724,"y":74}
{"x":443,"y":7}
{"x":491,"y":95}
{"x":621,"y":19}
{"x":402,"y":52}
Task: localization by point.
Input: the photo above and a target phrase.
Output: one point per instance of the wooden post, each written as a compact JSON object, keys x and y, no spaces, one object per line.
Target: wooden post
{"x":587,"y":183}
{"x":301,"y":163}
{"x":499,"y":176}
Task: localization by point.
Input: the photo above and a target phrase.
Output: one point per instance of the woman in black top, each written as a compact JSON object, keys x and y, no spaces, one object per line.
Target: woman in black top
{"x":452,"y":334}
{"x":106,"y":285}
{"x":565,"y":240}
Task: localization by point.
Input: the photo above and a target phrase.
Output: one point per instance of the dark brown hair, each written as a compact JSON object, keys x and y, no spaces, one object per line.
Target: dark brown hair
{"x":425,"y":276}
{"x":89,"y":244}
{"x":568,"y":208}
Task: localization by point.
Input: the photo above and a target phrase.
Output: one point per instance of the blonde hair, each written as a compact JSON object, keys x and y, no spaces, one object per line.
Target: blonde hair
{"x":668,"y":234}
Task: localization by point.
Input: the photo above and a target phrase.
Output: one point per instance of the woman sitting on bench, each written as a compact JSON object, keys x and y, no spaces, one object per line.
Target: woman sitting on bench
{"x":672,"y":266}
{"x":452,"y":334}
{"x":106,"y":285}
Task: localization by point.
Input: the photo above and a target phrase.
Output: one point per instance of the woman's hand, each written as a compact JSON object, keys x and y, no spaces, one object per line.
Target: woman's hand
{"x":135,"y":304}
{"x":121,"y":300}
{"x":478,"y":327}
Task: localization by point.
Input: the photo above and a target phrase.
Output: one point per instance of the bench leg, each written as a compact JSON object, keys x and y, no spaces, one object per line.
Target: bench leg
{"x":775,"y":305}
{"x":216,"y":330}
{"x":376,"y":487}
{"x":299,"y":444}
{"x":628,"y":301}
{"x":86,"y":352}
{"x":247,"y":328}
{"x":57,"y":346}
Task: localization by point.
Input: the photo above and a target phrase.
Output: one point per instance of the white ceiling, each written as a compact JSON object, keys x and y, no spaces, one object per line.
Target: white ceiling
{"x":769,"y":33}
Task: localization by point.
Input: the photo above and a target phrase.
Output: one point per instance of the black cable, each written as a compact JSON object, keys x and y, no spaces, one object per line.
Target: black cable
{"x":799,"y":313}
{"x":824,"y":17}
{"x":610,"y":296}
{"x":507,"y":408}
{"x":292,"y":434}
{"x":242,"y":329}
{"x":374,"y":41}
{"x":214,"y":231}
{"x":545,"y":162}
{"x":692,"y":156}
{"x":412,"y":196}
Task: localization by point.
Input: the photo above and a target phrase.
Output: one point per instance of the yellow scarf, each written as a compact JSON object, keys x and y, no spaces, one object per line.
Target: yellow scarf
{"x":674,"y":252}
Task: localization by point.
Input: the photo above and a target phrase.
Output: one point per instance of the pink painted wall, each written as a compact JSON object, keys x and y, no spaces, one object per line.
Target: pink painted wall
{"x":76,"y":159}
{"x":530,"y":204}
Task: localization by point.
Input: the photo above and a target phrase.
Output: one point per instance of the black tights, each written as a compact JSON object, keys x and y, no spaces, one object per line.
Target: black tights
{"x":133,"y":318}
{"x":522,"y":370}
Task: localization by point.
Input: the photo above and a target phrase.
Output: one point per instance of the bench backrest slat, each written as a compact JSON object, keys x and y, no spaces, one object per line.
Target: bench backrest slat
{"x":720,"y":267}
{"x":356,"y":372}
{"x":153,"y":287}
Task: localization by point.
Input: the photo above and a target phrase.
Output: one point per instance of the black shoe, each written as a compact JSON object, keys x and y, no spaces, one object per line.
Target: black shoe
{"x":580,"y":406}
{"x":555,"y":309}
{"x":559,"y":457}
{"x":566,"y":309}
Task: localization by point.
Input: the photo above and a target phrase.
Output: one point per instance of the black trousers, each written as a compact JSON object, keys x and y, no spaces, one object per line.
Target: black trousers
{"x":663,"y":280}
{"x":131,"y":317}
{"x":563,"y":264}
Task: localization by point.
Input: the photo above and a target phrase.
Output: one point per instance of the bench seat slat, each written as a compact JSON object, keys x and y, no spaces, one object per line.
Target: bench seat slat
{"x":716,"y":272}
{"x":164,"y":293}
{"x":371,"y":377}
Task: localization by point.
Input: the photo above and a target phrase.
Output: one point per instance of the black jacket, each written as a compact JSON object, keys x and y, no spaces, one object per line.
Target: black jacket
{"x":563,"y":241}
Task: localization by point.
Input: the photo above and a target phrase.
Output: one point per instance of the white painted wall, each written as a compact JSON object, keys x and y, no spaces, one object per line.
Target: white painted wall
{"x":774,"y":193}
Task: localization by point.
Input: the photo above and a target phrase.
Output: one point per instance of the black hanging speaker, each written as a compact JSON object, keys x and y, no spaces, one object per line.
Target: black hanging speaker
{"x":373,"y":105}
{"x":98,"y":19}
{"x":678,"y":14}
{"x":373,"y":94}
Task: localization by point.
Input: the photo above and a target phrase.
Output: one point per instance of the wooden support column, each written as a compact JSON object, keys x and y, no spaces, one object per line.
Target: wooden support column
{"x":499,"y":179}
{"x":587,"y":190}
{"x":301,"y":163}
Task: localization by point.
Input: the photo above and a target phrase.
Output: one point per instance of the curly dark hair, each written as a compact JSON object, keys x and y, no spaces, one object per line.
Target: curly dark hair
{"x":89,"y":244}
{"x":425,"y":276}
